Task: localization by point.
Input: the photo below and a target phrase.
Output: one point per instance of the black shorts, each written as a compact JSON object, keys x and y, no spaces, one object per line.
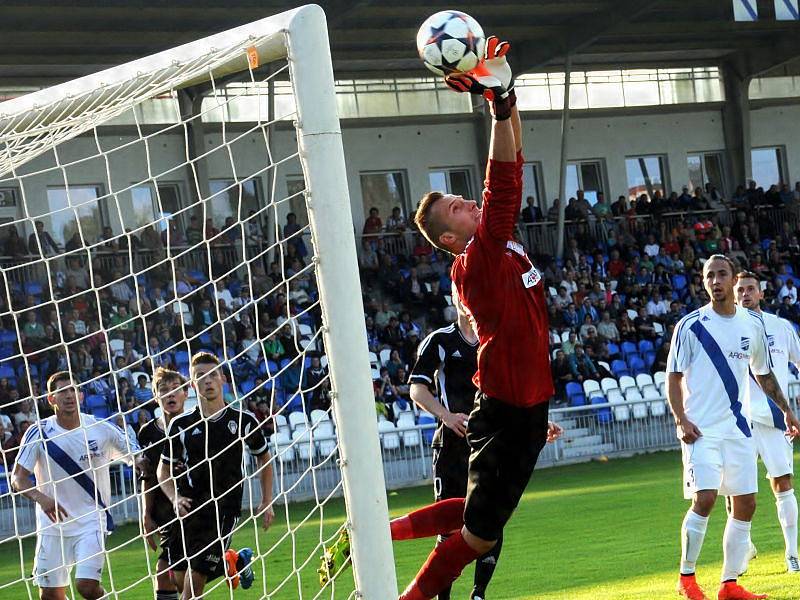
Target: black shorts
{"x":450,"y":463}
{"x":203,"y":539}
{"x":171,"y":545}
{"x":505,"y":443}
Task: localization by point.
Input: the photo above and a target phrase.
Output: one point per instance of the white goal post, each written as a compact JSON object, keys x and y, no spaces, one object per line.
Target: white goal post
{"x":36,"y":124}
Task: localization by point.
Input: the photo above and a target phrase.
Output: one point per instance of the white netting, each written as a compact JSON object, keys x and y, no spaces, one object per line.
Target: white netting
{"x":165,"y":233}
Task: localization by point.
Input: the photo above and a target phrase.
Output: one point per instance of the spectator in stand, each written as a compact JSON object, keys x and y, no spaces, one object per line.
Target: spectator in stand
{"x":651,"y":248}
{"x":396,"y":223}
{"x":403,"y":388}
{"x":26,"y":411}
{"x":531,"y":213}
{"x":373,"y":224}
{"x":601,"y":209}
{"x":568,"y":347}
{"x":644,"y":326}
{"x":621,"y":207}
{"x":587,"y":310}
{"x":607,"y":329}
{"x":143,"y":393}
{"x":657,"y":307}
{"x":383,"y":315}
{"x":78,"y":274}
{"x":318,"y":384}
{"x":627,"y":329}
{"x":616,"y":266}
{"x":582,"y":366}
{"x":41,"y":238}
{"x":788,"y":290}
{"x":570,"y":317}
{"x":660,"y":362}
{"x":414,"y":289}
{"x":587,"y":328}
{"x":552,"y":212}
{"x":562,"y":375}
{"x":194,"y":233}
{"x":563,"y":299}
{"x":292,"y":228}
{"x":14,"y":244}
{"x":787,"y":310}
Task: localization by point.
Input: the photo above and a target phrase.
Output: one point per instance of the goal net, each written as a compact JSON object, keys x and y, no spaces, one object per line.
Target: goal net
{"x":196,"y":200}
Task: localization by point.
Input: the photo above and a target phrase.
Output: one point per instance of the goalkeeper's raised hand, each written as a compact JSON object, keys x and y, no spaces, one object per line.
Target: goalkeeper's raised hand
{"x":495,"y":63}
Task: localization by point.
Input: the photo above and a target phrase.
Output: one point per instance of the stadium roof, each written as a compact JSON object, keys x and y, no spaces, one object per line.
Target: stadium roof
{"x":45,"y":41}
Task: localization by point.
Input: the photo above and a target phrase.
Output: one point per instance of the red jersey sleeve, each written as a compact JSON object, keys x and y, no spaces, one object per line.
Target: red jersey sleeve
{"x":502,"y":198}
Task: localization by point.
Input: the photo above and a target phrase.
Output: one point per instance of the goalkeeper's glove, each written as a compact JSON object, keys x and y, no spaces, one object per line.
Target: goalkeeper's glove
{"x":495,"y":63}
{"x":487,"y":86}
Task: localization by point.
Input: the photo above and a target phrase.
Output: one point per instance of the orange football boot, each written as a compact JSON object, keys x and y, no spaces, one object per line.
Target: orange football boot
{"x":688,"y":588}
{"x":730,"y":590}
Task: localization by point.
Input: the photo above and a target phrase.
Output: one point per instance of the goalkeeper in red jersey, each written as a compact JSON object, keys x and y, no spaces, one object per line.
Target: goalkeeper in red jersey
{"x":503,"y":293}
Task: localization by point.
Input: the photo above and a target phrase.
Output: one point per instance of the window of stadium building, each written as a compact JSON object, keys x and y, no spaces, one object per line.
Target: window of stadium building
{"x":384,"y":190}
{"x":73,"y":205}
{"x":232,"y":199}
{"x":295,"y":186}
{"x":706,"y":168}
{"x":452,"y":181}
{"x":586,"y":176}
{"x":146,"y":205}
{"x":645,"y":175}
{"x":768,"y":166}
{"x":8,"y":198}
{"x":533,"y":185}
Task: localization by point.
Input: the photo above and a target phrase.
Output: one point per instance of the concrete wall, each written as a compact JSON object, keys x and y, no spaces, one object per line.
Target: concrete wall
{"x":413,"y":149}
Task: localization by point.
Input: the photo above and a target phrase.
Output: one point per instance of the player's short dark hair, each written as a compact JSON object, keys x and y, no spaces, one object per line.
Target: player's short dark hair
{"x":204,"y":358}
{"x":57,"y":378}
{"x":166,"y":376}
{"x":724,"y":258}
{"x":430,"y":227}
{"x":747,"y":275}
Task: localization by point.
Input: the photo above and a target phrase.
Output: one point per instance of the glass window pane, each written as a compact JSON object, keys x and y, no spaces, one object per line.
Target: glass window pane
{"x":695,"y":165}
{"x":383,"y":191}
{"x":577,"y":96}
{"x":64,"y":206}
{"x":530,"y":183}
{"x":592,"y":181}
{"x":460,"y":184}
{"x":573,"y":184}
{"x":641,"y":93}
{"x":766,"y":166}
{"x":708,"y":90}
{"x":8,"y":197}
{"x":141,"y":212}
{"x":438,"y":181}
{"x":230,"y":200}
{"x":533,"y":97}
{"x":605,"y":95}
{"x":645,"y":175}
{"x":714,"y":172}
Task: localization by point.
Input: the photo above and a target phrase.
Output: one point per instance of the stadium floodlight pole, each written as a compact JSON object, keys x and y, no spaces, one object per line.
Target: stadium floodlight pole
{"x":562,"y":185}
{"x":322,"y":157}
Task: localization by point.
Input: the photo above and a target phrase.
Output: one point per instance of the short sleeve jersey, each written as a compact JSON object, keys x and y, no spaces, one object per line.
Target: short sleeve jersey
{"x":784,"y":347}
{"x":153,"y":441}
{"x":716,"y":353}
{"x":93,"y":446}
{"x":211,"y":449}
{"x":446,"y":363}
{"x":504,"y":294}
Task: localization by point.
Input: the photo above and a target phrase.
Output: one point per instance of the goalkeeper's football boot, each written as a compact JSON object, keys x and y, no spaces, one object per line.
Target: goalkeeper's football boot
{"x":335,"y":558}
{"x":688,"y":588}
{"x":231,"y":572}
{"x":730,"y":590}
{"x":246,"y":575}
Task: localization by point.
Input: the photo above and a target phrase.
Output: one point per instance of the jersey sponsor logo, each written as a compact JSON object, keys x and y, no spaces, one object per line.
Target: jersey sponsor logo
{"x":531,"y":278}
{"x":738,"y":356}
{"x":232,"y":426}
{"x":745,"y":344}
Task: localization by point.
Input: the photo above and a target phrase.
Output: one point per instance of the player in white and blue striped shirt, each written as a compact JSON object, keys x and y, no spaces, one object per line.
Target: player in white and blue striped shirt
{"x":713,"y":351}
{"x":769,"y":429}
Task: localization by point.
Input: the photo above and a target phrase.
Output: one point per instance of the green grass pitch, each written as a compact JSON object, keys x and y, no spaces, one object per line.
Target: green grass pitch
{"x":592,"y":531}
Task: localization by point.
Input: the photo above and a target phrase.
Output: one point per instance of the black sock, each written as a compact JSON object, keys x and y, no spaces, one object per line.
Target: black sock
{"x":166,"y":595}
{"x":484,"y":569}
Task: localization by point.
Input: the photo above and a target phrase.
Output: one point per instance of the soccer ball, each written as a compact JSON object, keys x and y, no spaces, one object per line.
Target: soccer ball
{"x":450,"y":42}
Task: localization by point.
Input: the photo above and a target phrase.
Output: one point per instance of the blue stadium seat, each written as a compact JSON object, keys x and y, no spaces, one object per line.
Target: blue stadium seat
{"x":426,"y":419}
{"x":679,"y":282}
{"x":295,"y":403}
{"x":182,"y":357}
{"x":649,"y":359}
{"x":628,"y":348}
{"x":94,"y":400}
{"x":33,"y":288}
{"x":101,"y":412}
{"x":613,"y":348}
{"x":247,"y":386}
{"x":6,"y":352}
{"x":7,"y":372}
{"x":8,"y":337}
{"x":603,"y":414}
{"x":284,"y":362}
{"x":636,"y":364}
{"x":619,"y":368}
{"x":4,"y":489}
{"x":205,"y":339}
{"x":575,"y":394}
{"x":765,"y":244}
{"x":645,"y":346}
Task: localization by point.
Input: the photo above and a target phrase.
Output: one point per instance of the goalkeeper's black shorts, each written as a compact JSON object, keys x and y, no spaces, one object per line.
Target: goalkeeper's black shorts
{"x":450,"y":462}
{"x":505,"y":443}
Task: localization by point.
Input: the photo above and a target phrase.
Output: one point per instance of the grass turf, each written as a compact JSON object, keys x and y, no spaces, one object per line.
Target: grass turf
{"x":591,"y":531}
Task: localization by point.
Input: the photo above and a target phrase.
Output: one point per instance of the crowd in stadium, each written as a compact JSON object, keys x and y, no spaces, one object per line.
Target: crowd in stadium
{"x":623,"y":280}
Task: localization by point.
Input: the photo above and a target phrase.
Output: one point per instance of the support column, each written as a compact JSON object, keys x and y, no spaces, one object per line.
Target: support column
{"x":562,"y":186}
{"x":190,"y":101}
{"x":736,"y":125}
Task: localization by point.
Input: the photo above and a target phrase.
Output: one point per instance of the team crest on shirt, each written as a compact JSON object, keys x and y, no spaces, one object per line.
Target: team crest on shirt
{"x":745,"y":344}
{"x":531,"y":278}
{"x":771,"y":340}
{"x":92,"y":445}
{"x":232,"y":426}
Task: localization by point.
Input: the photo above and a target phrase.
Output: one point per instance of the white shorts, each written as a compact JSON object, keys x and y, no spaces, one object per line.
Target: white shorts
{"x":728,"y":466}
{"x":775,"y":449}
{"x":54,"y":559}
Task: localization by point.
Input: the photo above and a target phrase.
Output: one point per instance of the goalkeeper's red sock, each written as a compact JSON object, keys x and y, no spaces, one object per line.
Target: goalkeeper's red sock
{"x":442,"y":568}
{"x":435,"y":519}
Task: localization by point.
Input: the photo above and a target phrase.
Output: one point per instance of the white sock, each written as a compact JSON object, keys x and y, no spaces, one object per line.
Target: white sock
{"x":787,"y":515}
{"x":735,"y":544}
{"x":693,"y":532}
